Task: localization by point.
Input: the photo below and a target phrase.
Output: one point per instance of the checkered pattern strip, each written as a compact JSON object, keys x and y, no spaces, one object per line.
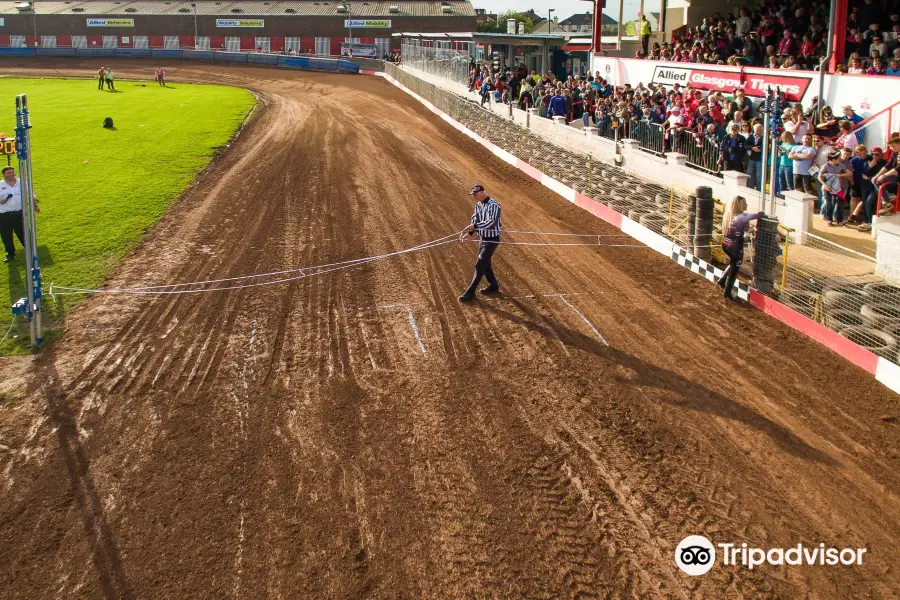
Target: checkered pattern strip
{"x":707,"y":271}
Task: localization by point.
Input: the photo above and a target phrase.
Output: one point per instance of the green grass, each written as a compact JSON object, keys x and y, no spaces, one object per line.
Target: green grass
{"x":100,"y":189}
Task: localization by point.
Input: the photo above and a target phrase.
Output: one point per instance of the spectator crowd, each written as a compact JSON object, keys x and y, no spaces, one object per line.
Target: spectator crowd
{"x":791,"y":36}
{"x":819,"y":151}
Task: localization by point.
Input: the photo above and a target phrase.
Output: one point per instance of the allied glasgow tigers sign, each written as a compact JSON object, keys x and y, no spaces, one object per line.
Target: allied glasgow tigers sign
{"x":753,"y":84}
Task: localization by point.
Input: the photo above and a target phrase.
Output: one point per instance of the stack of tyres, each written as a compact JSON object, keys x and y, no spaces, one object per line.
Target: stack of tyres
{"x":703,"y":223}
{"x":765,"y":255}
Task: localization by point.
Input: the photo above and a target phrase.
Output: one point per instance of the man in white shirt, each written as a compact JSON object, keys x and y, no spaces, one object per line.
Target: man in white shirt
{"x":11,"y":213}
{"x":737,"y":121}
{"x":803,"y":156}
{"x":797,"y":125}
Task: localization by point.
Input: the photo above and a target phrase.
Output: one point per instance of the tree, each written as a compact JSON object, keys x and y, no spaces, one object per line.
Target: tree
{"x":499,"y":26}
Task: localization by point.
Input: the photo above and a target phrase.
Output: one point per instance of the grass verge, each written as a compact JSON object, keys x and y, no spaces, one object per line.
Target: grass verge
{"x":100,"y":189}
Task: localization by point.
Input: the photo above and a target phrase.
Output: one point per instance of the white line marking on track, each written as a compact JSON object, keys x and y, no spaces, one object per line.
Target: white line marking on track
{"x":415,"y":328}
{"x":585,"y":319}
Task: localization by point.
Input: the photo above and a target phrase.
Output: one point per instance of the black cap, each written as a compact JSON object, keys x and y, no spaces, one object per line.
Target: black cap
{"x":475,"y":189}
{"x":833,"y":155}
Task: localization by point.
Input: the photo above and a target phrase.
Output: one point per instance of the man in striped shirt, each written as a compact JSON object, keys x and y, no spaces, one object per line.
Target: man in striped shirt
{"x":486,"y":223}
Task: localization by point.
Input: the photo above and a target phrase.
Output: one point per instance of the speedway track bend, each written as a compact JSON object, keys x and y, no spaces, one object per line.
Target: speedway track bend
{"x":362,"y":435}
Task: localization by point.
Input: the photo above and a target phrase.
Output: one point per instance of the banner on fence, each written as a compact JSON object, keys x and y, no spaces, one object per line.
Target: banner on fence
{"x":359,"y":50}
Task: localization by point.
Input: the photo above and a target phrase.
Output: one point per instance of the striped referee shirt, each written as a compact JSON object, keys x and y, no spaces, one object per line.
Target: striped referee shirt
{"x":486,"y":218}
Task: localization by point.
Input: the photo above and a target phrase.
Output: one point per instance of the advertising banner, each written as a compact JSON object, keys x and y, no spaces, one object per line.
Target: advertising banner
{"x":754,"y":85}
{"x":240,"y":23}
{"x":110,"y":22}
{"x":360,"y":50}
{"x":367,"y":23}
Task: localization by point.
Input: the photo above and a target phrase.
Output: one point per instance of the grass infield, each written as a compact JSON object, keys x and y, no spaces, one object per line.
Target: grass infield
{"x":100,"y":189}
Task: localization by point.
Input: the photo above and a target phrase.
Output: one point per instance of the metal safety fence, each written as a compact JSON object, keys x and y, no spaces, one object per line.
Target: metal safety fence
{"x":819,"y":278}
{"x":452,"y":65}
{"x":702,"y":153}
{"x":836,"y":286}
{"x":651,"y":137}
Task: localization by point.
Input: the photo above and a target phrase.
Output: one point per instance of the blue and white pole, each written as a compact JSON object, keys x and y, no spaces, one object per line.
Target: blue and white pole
{"x":29,"y":307}
{"x":765,"y":109}
{"x":776,"y":127}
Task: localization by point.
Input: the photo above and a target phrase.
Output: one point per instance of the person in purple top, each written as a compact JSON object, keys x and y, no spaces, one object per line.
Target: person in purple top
{"x":733,"y":242}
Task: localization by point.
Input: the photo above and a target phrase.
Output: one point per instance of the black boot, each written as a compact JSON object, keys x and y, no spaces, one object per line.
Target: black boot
{"x":491,"y":289}
{"x":468,"y":296}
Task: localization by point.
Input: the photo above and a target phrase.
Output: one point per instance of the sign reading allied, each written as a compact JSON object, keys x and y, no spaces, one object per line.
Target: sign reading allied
{"x":110,"y":22}
{"x":754,"y":85}
{"x":367,"y":23}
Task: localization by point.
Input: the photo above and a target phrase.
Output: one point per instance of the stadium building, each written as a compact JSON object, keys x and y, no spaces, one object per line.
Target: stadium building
{"x":314,"y":27}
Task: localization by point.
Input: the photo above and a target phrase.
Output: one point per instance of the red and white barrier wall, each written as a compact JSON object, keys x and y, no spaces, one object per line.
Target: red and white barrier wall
{"x":883,"y":370}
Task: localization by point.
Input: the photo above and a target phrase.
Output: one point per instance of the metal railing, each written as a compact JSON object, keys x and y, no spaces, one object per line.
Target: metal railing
{"x":702,"y":153}
{"x":453,"y":65}
{"x":606,"y":129}
{"x":651,"y":137}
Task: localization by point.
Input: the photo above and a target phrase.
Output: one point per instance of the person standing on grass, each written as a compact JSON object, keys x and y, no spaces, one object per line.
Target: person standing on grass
{"x":101,"y":78}
{"x":11,"y":213}
{"x":110,"y":85}
{"x":486,"y":223}
{"x":737,"y":220}
{"x":160,"y":76}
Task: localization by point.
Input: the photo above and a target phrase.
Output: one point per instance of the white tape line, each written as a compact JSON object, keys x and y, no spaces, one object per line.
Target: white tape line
{"x":415,"y":328}
{"x":585,"y":319}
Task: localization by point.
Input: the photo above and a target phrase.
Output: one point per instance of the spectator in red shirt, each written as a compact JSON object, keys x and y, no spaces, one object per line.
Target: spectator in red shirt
{"x":786,"y":46}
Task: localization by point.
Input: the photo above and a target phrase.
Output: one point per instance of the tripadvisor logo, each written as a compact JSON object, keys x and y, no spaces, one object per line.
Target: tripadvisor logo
{"x":696,"y":555}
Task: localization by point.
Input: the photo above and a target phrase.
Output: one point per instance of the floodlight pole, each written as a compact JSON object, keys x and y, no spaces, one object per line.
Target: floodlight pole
{"x":548,"y":67}
{"x":34,"y":21}
{"x":32,"y":310}
{"x":196,"y":37}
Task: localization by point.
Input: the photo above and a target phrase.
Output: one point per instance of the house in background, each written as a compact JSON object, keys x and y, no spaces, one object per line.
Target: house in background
{"x":546,"y":26}
{"x":482,"y":15}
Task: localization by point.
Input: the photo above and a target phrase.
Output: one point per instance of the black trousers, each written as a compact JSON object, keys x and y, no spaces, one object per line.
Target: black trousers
{"x":11,"y":222}
{"x":486,"y":248}
{"x":735,"y":252}
{"x":734,"y":165}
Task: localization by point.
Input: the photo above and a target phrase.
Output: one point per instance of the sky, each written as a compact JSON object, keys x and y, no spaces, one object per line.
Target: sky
{"x":565,"y":8}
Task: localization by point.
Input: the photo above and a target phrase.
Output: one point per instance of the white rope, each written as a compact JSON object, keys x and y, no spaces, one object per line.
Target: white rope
{"x":590,"y":235}
{"x":588,"y":244}
{"x":312,"y":271}
{"x":343,"y":264}
{"x":11,"y":325}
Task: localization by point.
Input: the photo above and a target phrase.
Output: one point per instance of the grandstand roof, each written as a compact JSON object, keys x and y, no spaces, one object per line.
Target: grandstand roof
{"x":319,"y":8}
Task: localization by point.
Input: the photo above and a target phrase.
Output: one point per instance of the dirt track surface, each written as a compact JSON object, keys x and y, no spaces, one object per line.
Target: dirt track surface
{"x":298,"y":441}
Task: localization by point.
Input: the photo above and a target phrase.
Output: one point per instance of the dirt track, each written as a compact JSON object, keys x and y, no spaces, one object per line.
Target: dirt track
{"x":297,"y":441}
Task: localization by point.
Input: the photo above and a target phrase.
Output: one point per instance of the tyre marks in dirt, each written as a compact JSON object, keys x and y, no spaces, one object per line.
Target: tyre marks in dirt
{"x":297,"y":441}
